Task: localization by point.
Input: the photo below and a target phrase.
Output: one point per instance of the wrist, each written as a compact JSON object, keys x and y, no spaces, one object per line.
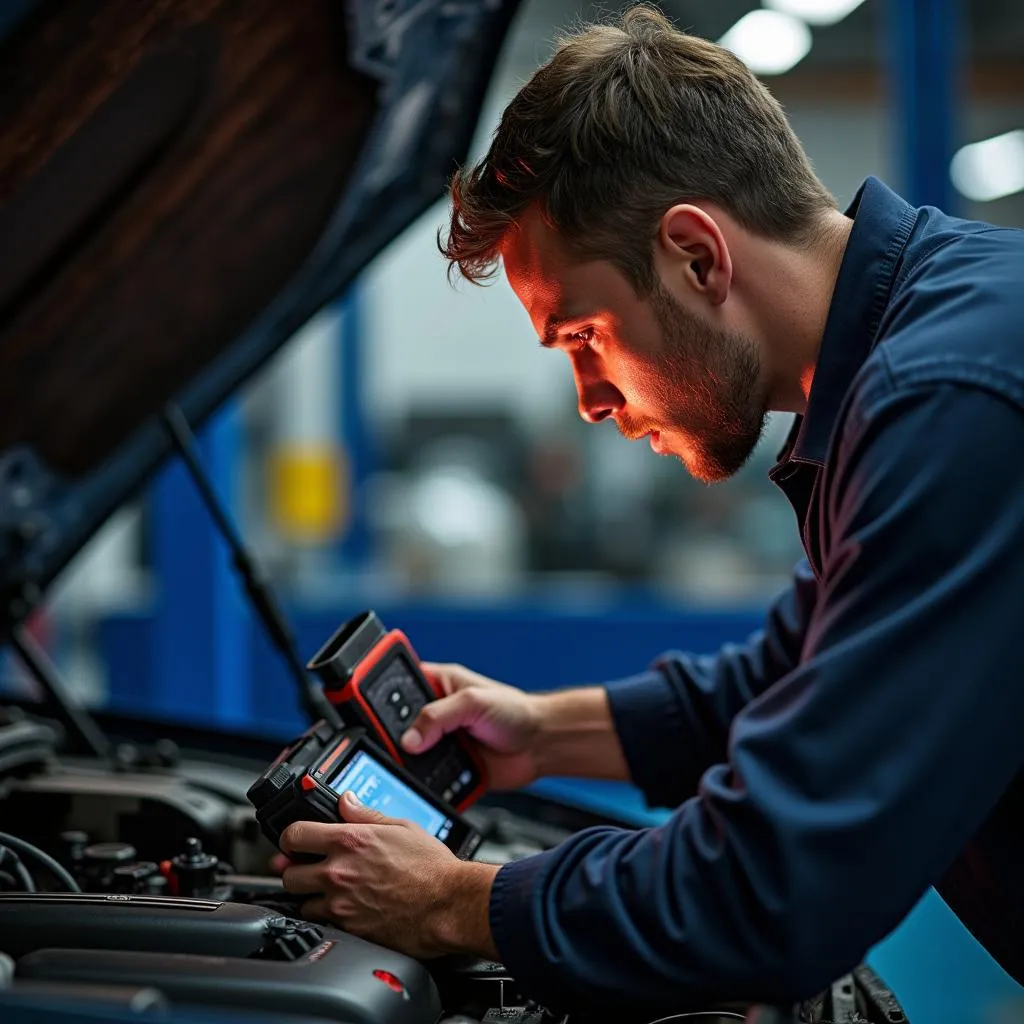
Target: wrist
{"x":576,"y":735}
{"x":463,"y":924}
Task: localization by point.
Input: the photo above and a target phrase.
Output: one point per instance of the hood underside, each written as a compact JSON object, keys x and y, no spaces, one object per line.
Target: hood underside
{"x":182,"y":185}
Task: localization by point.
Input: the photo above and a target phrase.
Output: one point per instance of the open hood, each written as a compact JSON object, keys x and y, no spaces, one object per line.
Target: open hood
{"x":182,"y":185}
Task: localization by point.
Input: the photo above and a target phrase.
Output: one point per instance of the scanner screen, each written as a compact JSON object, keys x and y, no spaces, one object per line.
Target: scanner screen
{"x":378,"y":788}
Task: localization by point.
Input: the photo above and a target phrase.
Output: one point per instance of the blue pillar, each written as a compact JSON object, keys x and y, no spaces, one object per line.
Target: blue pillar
{"x":200,"y":664}
{"x":354,"y":548}
{"x":923,"y":43}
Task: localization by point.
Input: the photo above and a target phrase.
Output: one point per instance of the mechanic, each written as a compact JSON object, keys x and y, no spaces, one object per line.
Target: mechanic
{"x":661,"y":224}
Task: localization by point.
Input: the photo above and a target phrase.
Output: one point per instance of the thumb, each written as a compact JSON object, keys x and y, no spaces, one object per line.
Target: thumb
{"x":456,"y":711}
{"x":357,"y":813}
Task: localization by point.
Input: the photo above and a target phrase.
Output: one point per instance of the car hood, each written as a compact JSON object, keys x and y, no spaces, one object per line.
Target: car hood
{"x":182,"y":185}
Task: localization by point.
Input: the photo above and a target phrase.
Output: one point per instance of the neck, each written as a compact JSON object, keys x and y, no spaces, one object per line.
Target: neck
{"x":790,"y":292}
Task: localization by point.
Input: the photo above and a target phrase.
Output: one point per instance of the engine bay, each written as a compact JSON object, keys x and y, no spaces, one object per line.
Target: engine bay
{"x":175,"y":896}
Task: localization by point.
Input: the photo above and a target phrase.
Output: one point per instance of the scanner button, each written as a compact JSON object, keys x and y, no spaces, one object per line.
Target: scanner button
{"x":396,"y":696}
{"x":308,"y":783}
{"x":465,"y":778}
{"x":404,"y":712}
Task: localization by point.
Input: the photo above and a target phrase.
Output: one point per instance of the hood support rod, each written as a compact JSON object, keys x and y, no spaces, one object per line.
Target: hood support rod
{"x":83,"y":734}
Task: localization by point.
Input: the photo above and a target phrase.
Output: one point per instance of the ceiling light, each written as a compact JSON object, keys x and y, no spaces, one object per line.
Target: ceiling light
{"x":990,"y":169}
{"x":768,"y":42}
{"x":815,"y":12}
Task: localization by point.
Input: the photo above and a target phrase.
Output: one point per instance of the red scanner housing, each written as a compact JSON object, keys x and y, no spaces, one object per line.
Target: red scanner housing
{"x":374,"y":679}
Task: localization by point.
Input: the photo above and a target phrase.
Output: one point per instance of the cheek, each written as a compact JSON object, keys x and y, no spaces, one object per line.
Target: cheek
{"x":641,"y":365}
{"x":644,"y":384}
{"x":629,"y":370}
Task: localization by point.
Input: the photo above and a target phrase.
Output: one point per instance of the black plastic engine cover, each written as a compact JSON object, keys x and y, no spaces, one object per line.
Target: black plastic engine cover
{"x":31,"y":921}
{"x":344,"y":979}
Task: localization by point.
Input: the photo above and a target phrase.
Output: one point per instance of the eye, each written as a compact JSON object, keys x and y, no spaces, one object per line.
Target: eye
{"x":582,"y":338}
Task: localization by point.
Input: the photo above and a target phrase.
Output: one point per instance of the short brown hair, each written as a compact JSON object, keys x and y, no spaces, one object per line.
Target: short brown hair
{"x":623,"y":122}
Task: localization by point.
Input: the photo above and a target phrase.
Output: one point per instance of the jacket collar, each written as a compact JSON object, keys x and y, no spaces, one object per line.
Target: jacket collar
{"x":882,"y":223}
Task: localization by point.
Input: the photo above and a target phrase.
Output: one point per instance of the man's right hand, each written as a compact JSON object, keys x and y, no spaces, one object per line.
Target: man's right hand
{"x":504,"y":721}
{"x":521,"y":736}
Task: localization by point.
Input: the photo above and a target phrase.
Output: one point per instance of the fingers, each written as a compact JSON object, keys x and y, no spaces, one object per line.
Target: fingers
{"x":279,"y":862}
{"x":358,"y":813}
{"x":303,"y":878}
{"x":307,"y":837}
{"x":440,"y":717}
{"x":444,"y":677}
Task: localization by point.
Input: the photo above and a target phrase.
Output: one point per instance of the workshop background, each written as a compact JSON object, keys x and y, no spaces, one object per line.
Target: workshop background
{"x":415,"y":451}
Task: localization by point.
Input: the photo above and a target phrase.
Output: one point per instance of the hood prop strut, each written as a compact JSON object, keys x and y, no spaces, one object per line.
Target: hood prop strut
{"x":83,"y":734}
{"x":258,"y":591}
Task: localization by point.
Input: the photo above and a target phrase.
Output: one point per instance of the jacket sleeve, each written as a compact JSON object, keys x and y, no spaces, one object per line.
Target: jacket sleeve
{"x":673,"y":720}
{"x":854,"y":781}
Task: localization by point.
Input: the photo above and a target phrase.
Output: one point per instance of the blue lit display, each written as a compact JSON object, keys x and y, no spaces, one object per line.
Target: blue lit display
{"x":376,"y":787}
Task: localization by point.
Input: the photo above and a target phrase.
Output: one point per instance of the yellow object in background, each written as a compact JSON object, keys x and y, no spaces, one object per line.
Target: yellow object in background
{"x":309,"y":488}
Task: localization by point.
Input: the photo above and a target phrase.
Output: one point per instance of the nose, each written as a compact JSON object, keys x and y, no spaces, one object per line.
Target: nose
{"x":598,"y":398}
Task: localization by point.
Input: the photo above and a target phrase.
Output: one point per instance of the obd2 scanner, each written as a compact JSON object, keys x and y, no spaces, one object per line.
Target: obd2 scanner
{"x":309,"y":775}
{"x":374,"y":679}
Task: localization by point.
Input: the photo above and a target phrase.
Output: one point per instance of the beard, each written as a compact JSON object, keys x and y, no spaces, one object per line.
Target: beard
{"x":709,"y":386}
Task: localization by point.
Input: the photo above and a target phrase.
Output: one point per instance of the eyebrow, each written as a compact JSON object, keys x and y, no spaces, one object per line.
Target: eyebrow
{"x":553,"y":326}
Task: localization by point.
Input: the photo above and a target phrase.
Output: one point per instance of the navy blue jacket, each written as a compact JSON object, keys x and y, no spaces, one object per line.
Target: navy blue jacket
{"x":869,"y":743}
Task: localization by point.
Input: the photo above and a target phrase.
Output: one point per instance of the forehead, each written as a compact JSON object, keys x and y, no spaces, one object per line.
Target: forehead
{"x":548,"y":279}
{"x":535,"y":259}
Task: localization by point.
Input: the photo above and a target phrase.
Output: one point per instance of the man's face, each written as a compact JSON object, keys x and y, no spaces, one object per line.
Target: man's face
{"x":657,"y":368}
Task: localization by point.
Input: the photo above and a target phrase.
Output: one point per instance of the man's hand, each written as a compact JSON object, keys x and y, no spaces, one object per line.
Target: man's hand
{"x":504,"y":721}
{"x":386,"y":880}
{"x":522,"y":736}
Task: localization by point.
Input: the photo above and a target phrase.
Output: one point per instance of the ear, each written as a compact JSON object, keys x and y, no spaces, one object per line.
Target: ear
{"x":694,"y":252}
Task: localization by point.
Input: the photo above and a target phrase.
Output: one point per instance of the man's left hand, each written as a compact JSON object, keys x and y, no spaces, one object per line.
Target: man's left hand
{"x":386,"y":880}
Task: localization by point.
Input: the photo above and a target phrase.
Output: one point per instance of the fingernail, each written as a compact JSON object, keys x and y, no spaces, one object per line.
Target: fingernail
{"x":412,"y":739}
{"x":351,"y":797}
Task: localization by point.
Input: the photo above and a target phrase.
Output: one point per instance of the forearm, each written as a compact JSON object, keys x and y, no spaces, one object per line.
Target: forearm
{"x":577,"y":736}
{"x":674,"y":720}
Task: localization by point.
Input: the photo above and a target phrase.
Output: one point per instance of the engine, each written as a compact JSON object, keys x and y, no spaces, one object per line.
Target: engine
{"x":146,"y":881}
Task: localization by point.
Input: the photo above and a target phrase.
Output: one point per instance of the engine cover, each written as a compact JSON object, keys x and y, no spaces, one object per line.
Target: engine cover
{"x":215,"y":953}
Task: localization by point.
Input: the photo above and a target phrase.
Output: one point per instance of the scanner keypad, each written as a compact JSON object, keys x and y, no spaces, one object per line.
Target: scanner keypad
{"x":397,"y":696}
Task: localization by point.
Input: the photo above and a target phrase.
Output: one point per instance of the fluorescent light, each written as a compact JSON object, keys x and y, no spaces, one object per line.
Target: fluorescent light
{"x":768,"y":42}
{"x":815,"y":12}
{"x":990,"y":169}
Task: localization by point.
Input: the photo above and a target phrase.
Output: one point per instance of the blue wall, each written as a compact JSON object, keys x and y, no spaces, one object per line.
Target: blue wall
{"x":530,"y":646}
